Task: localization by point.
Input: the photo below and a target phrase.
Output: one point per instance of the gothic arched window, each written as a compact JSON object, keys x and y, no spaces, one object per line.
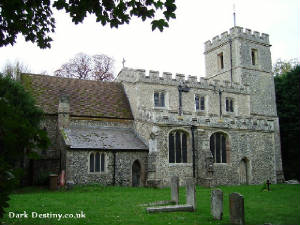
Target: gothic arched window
{"x":218,"y":147}
{"x":178,"y":143}
{"x":97,"y":162}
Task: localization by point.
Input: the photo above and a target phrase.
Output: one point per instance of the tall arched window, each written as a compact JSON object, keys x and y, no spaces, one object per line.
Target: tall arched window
{"x":178,"y":147}
{"x":218,"y":147}
{"x":97,"y":162}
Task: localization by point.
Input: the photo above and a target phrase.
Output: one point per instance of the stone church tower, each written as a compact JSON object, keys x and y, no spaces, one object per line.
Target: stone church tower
{"x":244,"y":57}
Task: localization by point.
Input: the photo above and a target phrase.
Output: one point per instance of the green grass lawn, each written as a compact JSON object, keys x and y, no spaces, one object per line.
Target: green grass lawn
{"x":121,"y":205}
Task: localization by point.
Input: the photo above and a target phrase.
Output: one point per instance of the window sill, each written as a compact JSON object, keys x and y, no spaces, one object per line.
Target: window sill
{"x":97,"y":173}
{"x":228,"y":114}
{"x":222,"y":164}
{"x":160,"y":108}
{"x":200,"y":112}
{"x":180,"y":164}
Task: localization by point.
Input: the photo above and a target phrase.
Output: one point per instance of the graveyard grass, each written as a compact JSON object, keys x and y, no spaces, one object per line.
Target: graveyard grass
{"x":122,"y":205}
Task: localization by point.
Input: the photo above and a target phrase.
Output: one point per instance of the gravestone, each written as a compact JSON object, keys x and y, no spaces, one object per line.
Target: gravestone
{"x":191,"y":192}
{"x":175,"y":189}
{"x":236,"y":208}
{"x":217,"y":204}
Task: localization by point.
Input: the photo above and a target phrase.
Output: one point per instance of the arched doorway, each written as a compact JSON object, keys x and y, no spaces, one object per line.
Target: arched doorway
{"x":136,"y":174}
{"x":244,"y":173}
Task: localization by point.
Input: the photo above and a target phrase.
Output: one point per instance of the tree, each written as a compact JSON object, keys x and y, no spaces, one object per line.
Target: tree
{"x":284,"y":66}
{"x":34,"y":18}
{"x":20,"y":133}
{"x":13,"y":69}
{"x":287,"y":99}
{"x":83,"y":66}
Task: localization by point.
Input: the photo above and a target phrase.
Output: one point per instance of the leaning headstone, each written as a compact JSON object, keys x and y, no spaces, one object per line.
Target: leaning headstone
{"x":175,"y":189}
{"x":236,"y":208}
{"x":191,"y":192}
{"x":217,"y":204}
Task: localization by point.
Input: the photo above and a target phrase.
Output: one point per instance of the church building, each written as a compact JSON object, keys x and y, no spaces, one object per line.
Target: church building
{"x":143,"y":128}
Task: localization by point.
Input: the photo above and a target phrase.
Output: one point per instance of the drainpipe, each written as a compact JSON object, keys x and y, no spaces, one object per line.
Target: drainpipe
{"x":231,"y":79}
{"x":114,"y":169}
{"x":220,"y":101}
{"x":193,"y":148}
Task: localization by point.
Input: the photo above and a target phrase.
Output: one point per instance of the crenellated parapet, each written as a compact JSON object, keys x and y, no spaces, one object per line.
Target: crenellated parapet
{"x":236,"y":32}
{"x":233,"y":122}
{"x":166,"y":78}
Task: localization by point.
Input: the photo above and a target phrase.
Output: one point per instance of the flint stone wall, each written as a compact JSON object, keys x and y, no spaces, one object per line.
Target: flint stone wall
{"x":78,"y":167}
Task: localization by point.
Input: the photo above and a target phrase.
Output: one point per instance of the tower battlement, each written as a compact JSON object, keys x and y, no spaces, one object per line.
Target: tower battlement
{"x":237,"y":32}
{"x":166,"y":78}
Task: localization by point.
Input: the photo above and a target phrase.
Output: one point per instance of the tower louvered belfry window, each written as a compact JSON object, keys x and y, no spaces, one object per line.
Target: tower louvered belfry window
{"x":178,"y":147}
{"x":229,"y":105}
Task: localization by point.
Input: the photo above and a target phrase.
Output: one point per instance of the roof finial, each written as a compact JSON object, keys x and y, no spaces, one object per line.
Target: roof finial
{"x":123,"y":62}
{"x":234,"y":19}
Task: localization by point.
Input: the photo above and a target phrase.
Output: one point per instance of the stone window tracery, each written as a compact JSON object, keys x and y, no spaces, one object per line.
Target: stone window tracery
{"x":178,"y":144}
{"x":199,"y":102}
{"x":159,"y":99}
{"x":96,"y":162}
{"x":219,"y":147}
{"x":229,"y":105}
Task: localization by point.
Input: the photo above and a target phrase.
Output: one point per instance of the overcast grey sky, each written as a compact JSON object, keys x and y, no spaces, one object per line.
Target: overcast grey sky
{"x":179,"y":49}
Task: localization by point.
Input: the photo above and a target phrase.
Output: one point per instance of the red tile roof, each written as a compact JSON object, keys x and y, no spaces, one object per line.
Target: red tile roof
{"x":87,"y":97}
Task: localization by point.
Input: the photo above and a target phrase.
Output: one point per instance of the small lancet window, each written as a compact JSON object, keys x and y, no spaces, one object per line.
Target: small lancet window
{"x":254,"y":56}
{"x":221,"y":61}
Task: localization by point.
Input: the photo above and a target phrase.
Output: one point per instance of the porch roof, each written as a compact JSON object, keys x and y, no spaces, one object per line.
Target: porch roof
{"x":103,"y":138}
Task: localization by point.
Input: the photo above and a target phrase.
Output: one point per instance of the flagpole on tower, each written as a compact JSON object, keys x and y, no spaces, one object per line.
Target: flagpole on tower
{"x":234,"y":19}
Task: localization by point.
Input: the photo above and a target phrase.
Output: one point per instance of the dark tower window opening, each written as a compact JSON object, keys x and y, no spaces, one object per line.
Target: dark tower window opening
{"x":229,"y":105}
{"x":254,"y":56}
{"x":221,"y":60}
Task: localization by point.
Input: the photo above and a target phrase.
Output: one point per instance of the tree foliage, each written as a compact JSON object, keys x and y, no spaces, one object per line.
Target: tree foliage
{"x":284,"y":66}
{"x":34,"y":18}
{"x":20,"y":133}
{"x":287,"y":99}
{"x":13,"y":69}
{"x":83,"y":66}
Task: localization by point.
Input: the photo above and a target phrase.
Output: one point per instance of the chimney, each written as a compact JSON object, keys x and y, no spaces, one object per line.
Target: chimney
{"x":63,"y":112}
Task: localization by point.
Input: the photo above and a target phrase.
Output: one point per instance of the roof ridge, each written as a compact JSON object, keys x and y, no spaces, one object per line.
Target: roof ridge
{"x":70,"y":78}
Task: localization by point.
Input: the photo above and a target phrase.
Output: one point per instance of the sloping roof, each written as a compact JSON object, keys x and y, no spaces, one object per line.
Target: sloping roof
{"x":87,"y":98}
{"x":107,"y":138}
